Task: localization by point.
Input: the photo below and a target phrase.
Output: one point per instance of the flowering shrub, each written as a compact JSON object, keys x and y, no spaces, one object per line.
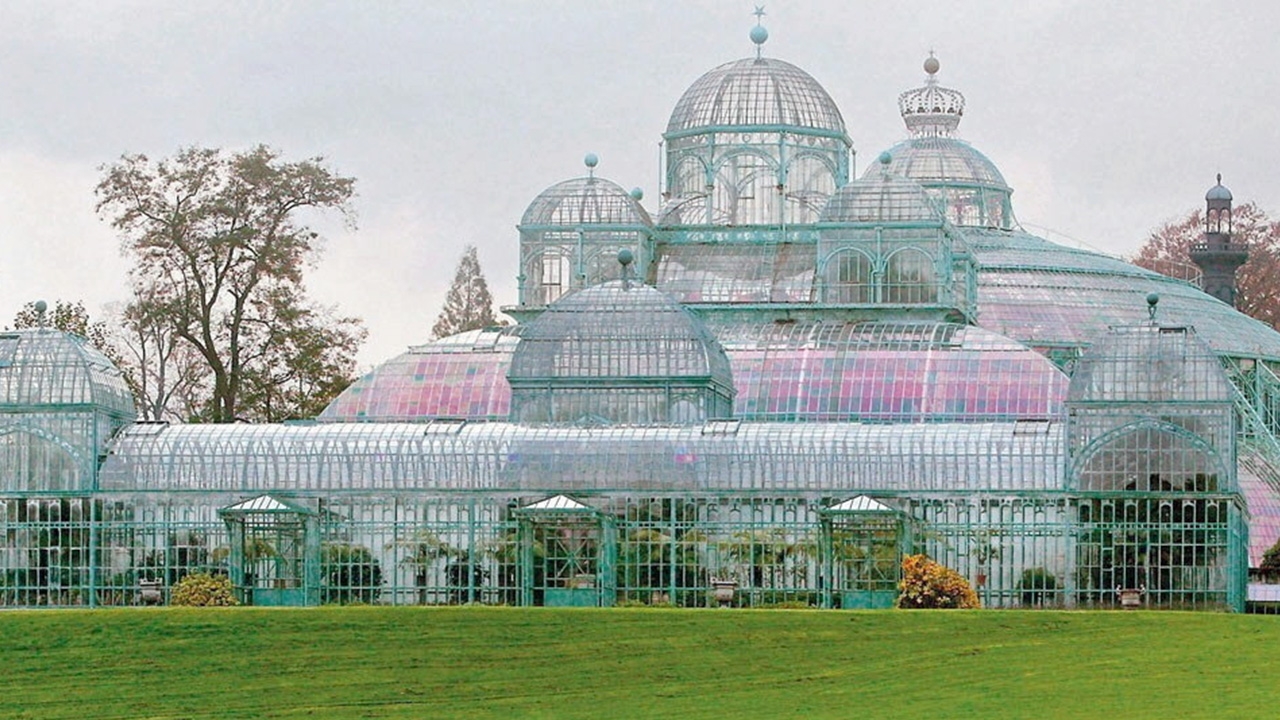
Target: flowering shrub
{"x":927,"y":584}
{"x":203,"y":590}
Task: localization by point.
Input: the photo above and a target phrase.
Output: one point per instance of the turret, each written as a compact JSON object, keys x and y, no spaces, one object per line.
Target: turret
{"x":1217,"y":254}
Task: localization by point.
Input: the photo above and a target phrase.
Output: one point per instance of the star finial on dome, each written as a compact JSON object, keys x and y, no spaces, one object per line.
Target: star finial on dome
{"x":758,"y":33}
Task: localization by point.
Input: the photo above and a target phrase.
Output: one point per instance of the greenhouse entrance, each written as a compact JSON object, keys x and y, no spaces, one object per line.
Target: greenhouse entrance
{"x":862,"y":544}
{"x":567,"y":554}
{"x":275,"y":552}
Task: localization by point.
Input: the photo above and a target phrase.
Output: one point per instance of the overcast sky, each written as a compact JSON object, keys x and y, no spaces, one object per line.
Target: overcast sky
{"x":1107,"y":118}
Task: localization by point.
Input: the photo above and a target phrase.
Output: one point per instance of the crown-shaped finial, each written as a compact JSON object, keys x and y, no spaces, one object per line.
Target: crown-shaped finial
{"x":932,"y":110}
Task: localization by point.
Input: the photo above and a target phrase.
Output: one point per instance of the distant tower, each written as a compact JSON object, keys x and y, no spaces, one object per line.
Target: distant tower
{"x":1217,"y":255}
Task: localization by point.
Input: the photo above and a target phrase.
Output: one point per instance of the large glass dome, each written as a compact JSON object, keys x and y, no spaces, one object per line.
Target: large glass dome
{"x":619,"y":352}
{"x":756,"y":92}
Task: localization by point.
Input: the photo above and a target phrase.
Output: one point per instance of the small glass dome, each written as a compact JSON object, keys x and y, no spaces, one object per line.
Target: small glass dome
{"x":585,"y":201}
{"x":50,"y":367}
{"x":881,"y":197}
{"x":972,"y":189}
{"x":571,"y":234}
{"x":619,"y":353}
{"x":61,"y":401}
{"x":756,"y":92}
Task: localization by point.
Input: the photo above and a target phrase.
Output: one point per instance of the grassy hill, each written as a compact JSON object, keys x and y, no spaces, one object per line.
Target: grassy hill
{"x":623,"y":663}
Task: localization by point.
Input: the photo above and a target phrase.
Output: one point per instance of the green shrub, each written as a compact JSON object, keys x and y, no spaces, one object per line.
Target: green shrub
{"x":203,"y":590}
{"x":1271,"y":559}
{"x":352,"y":574}
{"x":1037,"y":586}
{"x":927,"y":584}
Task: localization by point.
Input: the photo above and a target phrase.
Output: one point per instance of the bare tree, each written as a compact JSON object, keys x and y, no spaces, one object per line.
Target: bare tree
{"x":218,"y":249}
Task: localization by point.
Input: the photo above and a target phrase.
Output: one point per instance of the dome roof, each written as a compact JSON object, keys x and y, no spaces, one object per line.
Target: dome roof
{"x":620,"y":353}
{"x":756,"y":92}
{"x":943,"y":161}
{"x":1218,"y":192}
{"x":881,"y":197}
{"x":51,"y":367}
{"x":585,"y":201}
{"x":618,"y":329}
{"x":462,"y":376}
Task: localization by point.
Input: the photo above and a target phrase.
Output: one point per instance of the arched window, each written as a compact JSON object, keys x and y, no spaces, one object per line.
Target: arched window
{"x":850,"y":278}
{"x":911,"y":278}
{"x":810,"y":183}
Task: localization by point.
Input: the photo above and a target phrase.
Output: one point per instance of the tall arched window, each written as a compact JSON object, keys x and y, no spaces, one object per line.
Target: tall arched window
{"x":850,"y":278}
{"x":911,"y":278}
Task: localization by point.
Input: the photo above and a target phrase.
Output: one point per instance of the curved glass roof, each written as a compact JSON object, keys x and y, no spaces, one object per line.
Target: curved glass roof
{"x":943,"y":161}
{"x":461,"y":376}
{"x":881,"y":197}
{"x":755,"y":92}
{"x":50,"y":367}
{"x":827,"y":458}
{"x":1046,"y":295}
{"x":585,"y":201}
{"x":618,"y":329}
{"x":888,"y":372}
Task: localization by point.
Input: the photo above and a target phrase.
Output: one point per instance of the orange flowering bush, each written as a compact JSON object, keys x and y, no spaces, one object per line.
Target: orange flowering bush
{"x":927,"y":584}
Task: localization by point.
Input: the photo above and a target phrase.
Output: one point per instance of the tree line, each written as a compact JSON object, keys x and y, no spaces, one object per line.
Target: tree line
{"x":219,"y":326}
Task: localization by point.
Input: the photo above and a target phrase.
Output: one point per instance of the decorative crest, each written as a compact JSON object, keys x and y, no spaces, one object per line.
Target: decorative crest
{"x":932,"y":110}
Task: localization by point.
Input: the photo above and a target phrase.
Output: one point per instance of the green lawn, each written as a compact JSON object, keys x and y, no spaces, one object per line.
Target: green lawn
{"x":622,"y":663}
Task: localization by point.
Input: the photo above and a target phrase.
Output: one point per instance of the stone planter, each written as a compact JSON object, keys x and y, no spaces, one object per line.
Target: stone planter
{"x":723,"y":591}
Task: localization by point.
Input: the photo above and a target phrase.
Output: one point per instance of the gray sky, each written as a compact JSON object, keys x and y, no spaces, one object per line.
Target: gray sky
{"x":1107,"y":118}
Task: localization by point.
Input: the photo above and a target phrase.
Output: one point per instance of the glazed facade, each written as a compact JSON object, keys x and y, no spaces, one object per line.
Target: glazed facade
{"x":795,"y":376}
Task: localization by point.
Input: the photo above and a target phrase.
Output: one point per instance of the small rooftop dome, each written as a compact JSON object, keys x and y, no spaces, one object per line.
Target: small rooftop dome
{"x":883,"y":198}
{"x":50,"y":367}
{"x":1218,"y":192}
{"x":585,"y":201}
{"x":622,"y":353}
{"x":756,"y":92}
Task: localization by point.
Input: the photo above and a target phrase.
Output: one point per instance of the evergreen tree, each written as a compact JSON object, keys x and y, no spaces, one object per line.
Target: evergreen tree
{"x":468,"y":306}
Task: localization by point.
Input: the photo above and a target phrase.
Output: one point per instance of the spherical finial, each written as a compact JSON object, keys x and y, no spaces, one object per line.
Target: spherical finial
{"x":931,"y":65}
{"x":591,"y":160}
{"x":759,"y":34}
{"x":1152,"y":300}
{"x":41,"y":307}
{"x":885,"y":158}
{"x":625,"y":257}
{"x":636,"y":194}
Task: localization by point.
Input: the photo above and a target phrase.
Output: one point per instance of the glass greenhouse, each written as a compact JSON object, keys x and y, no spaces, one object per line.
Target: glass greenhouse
{"x":790,"y":379}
